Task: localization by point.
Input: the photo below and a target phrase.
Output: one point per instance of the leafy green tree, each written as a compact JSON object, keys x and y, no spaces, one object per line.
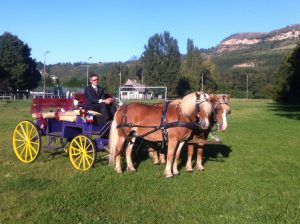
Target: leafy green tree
{"x":18,"y":68}
{"x":135,"y":70}
{"x":4,"y":80}
{"x":195,"y":67}
{"x":183,"y":86}
{"x":76,"y":82}
{"x":288,"y":78}
{"x":161,"y":61}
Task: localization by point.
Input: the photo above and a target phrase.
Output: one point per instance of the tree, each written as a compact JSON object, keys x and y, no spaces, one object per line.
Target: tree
{"x":4,"y":80}
{"x":161,"y":61}
{"x":18,"y":68}
{"x":288,"y":78}
{"x":194,"y":67}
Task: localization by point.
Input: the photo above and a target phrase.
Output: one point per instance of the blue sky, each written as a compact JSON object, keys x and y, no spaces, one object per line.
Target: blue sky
{"x":117,"y":30}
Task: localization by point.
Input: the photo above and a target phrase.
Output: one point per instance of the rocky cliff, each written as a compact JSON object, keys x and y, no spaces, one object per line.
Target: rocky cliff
{"x":246,"y":40}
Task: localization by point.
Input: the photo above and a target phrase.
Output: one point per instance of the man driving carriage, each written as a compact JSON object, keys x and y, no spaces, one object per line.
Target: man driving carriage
{"x":97,"y":100}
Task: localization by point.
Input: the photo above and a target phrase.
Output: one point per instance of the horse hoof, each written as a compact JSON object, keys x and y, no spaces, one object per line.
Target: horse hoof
{"x":170,"y":175}
{"x":176,"y":173}
{"x":130,"y":170}
{"x":200,"y":169}
{"x":189,"y":170}
{"x":156,"y":163}
{"x":163,"y":162}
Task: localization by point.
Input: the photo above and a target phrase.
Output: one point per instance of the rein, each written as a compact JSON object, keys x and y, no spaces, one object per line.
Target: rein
{"x":163,"y":124}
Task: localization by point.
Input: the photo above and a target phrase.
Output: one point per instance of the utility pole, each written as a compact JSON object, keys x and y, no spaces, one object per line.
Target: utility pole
{"x":202,"y":81}
{"x":44,"y":72}
{"x":247,"y":85}
{"x":87,"y":71}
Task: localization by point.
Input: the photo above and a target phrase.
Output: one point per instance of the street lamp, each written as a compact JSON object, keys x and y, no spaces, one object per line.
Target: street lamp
{"x":44,"y":72}
{"x":87,"y":71}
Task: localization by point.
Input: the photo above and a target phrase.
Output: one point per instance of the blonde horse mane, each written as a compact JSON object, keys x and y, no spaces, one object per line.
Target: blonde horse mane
{"x":176,"y":102}
{"x":188,"y":103}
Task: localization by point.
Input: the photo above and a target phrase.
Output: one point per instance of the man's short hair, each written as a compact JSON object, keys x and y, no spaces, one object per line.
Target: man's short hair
{"x":93,"y":75}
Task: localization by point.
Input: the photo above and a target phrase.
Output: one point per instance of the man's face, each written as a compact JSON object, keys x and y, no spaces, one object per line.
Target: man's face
{"x":94,"y":80}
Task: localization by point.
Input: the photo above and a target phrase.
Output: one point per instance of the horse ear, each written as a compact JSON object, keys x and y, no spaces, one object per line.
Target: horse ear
{"x":225,"y":98}
{"x":197,"y":96}
{"x":228,"y":96}
{"x":213,"y":97}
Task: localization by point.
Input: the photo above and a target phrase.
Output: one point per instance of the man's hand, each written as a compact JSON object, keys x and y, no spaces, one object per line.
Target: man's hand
{"x":108,"y":100}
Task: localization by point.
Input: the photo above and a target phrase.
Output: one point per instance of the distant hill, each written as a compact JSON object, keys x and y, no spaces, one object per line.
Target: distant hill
{"x":253,"y":49}
{"x":289,"y":34}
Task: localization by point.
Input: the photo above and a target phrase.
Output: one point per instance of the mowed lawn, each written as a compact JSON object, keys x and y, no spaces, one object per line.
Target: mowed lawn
{"x":253,"y":177}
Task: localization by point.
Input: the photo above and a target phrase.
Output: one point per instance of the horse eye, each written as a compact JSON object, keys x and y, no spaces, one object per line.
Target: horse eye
{"x":229,"y":112}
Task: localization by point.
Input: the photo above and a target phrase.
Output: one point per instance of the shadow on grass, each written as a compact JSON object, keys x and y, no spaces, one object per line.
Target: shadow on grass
{"x":49,"y":155}
{"x":216,"y":152}
{"x":286,"y":110}
{"x":140,"y":153}
{"x":211,"y":152}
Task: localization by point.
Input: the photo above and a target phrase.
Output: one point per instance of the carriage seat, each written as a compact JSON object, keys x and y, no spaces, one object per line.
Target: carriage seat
{"x":79,"y":100}
{"x":70,"y":115}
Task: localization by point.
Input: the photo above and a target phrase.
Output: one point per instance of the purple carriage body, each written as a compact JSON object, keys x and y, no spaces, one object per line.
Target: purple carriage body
{"x":59,"y":119}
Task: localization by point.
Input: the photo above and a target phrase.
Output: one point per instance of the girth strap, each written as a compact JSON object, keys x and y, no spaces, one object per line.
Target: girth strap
{"x":163,"y":124}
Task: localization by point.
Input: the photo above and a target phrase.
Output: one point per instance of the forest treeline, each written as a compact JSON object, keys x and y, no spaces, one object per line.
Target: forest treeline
{"x":272,"y":74}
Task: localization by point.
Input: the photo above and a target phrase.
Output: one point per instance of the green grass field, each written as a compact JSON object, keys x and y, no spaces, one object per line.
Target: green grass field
{"x":254,"y":177}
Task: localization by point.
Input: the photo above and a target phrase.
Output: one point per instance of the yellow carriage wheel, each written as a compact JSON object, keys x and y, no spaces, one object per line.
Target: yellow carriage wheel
{"x":26,"y":141}
{"x":82,"y":152}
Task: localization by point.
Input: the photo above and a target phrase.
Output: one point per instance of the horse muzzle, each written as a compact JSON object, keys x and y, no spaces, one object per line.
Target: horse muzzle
{"x":221,"y":127}
{"x":203,"y":124}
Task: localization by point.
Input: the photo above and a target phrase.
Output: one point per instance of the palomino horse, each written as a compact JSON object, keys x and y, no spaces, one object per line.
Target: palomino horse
{"x":172,"y":123}
{"x":219,"y":117}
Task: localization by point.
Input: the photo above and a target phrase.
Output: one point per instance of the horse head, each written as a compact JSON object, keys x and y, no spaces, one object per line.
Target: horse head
{"x":220,"y":110}
{"x":198,"y":108}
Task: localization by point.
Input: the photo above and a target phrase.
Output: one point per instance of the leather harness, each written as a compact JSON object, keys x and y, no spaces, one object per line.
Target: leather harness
{"x":163,"y":123}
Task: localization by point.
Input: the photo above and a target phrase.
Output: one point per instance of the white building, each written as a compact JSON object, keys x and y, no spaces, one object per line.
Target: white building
{"x":134,"y":90}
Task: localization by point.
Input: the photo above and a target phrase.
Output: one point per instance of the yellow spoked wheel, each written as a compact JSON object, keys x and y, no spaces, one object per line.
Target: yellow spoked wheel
{"x":82,"y":152}
{"x":26,"y":141}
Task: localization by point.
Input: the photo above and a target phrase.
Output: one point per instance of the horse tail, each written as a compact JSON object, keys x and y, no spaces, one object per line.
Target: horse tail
{"x":113,"y":140}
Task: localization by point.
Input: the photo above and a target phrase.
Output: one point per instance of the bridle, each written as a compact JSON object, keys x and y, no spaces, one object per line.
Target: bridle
{"x":198,"y":102}
{"x":217,"y":106}
{"x":215,"y":110}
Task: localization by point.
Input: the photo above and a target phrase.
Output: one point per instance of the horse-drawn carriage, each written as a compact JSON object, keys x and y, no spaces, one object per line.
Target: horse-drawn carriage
{"x":67,"y":126}
{"x":174,"y":123}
